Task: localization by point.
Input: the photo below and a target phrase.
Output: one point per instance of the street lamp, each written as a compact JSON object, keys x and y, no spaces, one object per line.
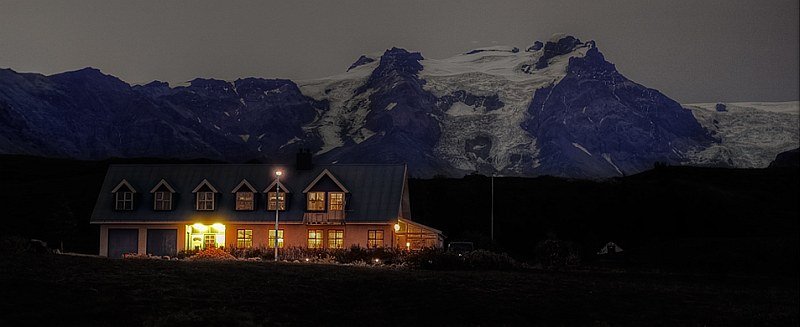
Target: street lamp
{"x":278,"y":174}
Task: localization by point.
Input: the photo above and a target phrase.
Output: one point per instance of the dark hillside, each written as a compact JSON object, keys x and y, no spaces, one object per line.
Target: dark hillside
{"x":713,"y":218}
{"x":671,"y":217}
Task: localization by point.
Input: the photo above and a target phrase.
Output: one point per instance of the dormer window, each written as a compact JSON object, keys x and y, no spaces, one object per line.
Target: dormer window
{"x":162,"y":201}
{"x":335,"y":201}
{"x":162,"y":196}
{"x":316,"y":201}
{"x":280,"y":201}
{"x":205,"y":201}
{"x":204,"y":195}
{"x":276,"y":195}
{"x":245,"y":201}
{"x":245,"y":196}
{"x":124,"y":200}
{"x":123,"y":196}
{"x":325,"y":185}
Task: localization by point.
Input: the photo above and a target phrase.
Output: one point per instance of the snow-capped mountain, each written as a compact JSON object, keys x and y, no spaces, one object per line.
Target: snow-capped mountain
{"x":556,"y":108}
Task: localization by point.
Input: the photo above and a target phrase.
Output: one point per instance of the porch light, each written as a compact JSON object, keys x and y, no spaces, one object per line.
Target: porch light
{"x":218,"y":227}
{"x":396,"y":227}
{"x":278,"y":173}
{"x":200,"y":227}
{"x":408,"y":244}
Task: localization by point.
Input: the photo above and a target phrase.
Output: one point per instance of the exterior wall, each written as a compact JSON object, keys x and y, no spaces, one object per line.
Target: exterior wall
{"x":181,"y":228}
{"x":295,"y":235}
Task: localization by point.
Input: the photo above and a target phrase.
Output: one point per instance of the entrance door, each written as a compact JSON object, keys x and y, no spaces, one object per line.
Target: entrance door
{"x":209,"y":241}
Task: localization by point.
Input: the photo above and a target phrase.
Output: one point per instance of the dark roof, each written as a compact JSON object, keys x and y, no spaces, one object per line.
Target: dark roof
{"x":375,"y":191}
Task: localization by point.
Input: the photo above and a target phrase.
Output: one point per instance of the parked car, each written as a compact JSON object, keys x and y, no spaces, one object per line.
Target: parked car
{"x":460,"y":247}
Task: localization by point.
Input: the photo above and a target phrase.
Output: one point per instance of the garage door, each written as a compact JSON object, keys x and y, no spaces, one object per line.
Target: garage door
{"x":121,"y":241}
{"x":162,"y":241}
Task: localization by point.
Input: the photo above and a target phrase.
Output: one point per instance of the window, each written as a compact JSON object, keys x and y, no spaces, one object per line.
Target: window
{"x":315,"y":238}
{"x":245,"y":201}
{"x":335,"y":238}
{"x":375,"y":238}
{"x":205,"y":200}
{"x":336,"y":201}
{"x":316,"y":201}
{"x":209,"y":241}
{"x":271,"y":244}
{"x":163,"y":201}
{"x":124,"y":201}
{"x":271,"y":201}
{"x":244,"y":238}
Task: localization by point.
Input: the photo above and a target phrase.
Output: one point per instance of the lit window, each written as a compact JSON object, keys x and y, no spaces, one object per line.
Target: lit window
{"x":209,"y":241}
{"x":245,"y":201}
{"x":271,"y":201}
{"x":336,"y":201}
{"x":316,"y":201}
{"x":315,"y":238}
{"x":205,"y":200}
{"x":124,"y":201}
{"x":375,"y":238}
{"x":271,"y":244}
{"x":335,"y":238}
{"x":163,"y":201}
{"x":244,"y":238}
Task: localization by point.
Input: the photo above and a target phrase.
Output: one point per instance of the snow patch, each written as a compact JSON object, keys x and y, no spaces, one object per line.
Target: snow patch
{"x":582,"y":149}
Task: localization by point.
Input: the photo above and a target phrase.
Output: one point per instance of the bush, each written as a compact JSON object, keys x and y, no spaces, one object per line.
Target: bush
{"x":212,"y":254}
{"x":557,"y":253}
{"x":438,"y":259}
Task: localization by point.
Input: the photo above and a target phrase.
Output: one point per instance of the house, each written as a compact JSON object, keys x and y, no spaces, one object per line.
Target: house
{"x":165,"y":208}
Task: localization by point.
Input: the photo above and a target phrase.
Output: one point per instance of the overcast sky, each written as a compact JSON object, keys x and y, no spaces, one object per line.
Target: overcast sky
{"x":693,"y":51}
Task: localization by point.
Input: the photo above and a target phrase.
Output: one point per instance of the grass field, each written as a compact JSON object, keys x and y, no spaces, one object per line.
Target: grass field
{"x":64,"y":290}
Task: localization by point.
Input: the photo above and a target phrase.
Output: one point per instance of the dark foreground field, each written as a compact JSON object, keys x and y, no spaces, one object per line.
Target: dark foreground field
{"x":65,"y":290}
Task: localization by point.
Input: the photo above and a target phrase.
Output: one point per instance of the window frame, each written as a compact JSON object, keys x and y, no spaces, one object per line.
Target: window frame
{"x":244,"y":238}
{"x":165,"y":201}
{"x":271,"y":238}
{"x":205,"y":201}
{"x":281,"y":201}
{"x":318,"y":240}
{"x":317,"y":200}
{"x":251,"y":201}
{"x":373,"y":241}
{"x":339,"y":202}
{"x":125,"y":203}
{"x":337,"y":241}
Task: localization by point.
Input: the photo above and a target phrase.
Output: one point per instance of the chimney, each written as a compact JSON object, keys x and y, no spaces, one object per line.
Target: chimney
{"x":303,"y":160}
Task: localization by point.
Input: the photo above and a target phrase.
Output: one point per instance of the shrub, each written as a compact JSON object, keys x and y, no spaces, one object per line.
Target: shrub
{"x":212,"y":254}
{"x":556,"y":253}
{"x":136,"y":256}
{"x":483,"y":259}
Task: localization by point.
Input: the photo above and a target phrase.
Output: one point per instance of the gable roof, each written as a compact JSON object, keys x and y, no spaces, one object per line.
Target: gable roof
{"x":376,"y":191}
{"x":162,"y":183}
{"x":206,"y":183}
{"x":323,"y":174}
{"x":283,"y":187}
{"x":125,"y":183}
{"x":244,"y":182}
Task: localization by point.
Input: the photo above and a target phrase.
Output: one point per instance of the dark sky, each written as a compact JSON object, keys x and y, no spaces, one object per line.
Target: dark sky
{"x":693,"y":51}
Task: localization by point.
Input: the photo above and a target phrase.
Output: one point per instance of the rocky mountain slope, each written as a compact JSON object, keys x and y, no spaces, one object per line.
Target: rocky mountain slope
{"x":556,"y":108}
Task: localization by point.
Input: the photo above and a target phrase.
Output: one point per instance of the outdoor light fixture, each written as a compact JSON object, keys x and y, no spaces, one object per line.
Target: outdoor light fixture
{"x":396,"y":227}
{"x":218,"y":226}
{"x":200,"y":227}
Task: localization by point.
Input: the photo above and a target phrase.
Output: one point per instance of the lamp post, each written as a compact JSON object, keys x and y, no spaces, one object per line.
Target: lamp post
{"x":278,"y":174}
{"x":491,"y":235}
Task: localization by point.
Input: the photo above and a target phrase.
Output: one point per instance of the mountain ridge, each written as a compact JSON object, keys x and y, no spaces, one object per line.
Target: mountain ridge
{"x":493,"y":110}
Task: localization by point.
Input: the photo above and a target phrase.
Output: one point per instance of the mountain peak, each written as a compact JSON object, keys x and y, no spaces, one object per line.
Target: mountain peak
{"x":363,"y":60}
